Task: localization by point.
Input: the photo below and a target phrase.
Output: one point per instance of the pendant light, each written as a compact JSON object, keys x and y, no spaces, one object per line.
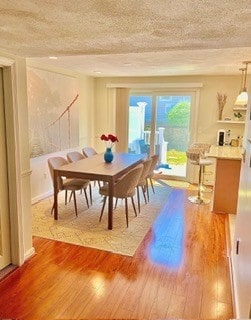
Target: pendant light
{"x":242,"y":98}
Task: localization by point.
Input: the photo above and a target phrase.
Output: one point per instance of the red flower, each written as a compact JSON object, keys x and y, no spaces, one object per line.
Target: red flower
{"x":104,"y":137}
{"x":110,"y":139}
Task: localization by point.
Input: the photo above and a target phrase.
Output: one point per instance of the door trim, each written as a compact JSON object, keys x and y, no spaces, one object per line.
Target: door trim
{"x":13,"y":163}
{"x":5,"y":245}
{"x":165,"y":85}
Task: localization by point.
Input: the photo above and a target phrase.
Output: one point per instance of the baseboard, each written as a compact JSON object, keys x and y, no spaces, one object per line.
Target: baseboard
{"x":41,"y":197}
{"x":230,"y":265}
{"x":234,"y":292}
{"x":5,"y":272}
{"x":28,"y":254}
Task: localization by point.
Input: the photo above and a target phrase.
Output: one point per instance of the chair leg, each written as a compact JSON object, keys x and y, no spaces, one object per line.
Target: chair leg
{"x":75,"y":202}
{"x":52,"y":209}
{"x":102,"y":210}
{"x":147,"y":190}
{"x":134,"y":208}
{"x":152,"y":184}
{"x":90,"y":192}
{"x":126,"y":211}
{"x":65,"y":197}
{"x":138,"y":198}
{"x":144,"y":195}
{"x":116,"y":202}
{"x":86,"y":198}
{"x":70,"y":196}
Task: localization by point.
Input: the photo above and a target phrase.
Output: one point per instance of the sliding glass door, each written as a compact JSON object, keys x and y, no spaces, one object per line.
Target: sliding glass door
{"x":160,"y":123}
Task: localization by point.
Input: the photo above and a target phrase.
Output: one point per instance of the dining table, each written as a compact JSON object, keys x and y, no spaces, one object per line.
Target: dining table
{"x":95,"y":168}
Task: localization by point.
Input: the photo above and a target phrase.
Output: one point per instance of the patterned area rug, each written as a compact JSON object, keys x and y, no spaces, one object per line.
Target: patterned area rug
{"x":86,"y":230}
{"x":178,"y":184}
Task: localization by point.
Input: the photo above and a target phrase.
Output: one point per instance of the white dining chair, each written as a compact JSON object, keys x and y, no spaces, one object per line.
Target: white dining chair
{"x":143,"y":182}
{"x":89,"y":151}
{"x":124,"y":188}
{"x":155,"y":159}
{"x":67,"y":184}
{"x":74,"y":156}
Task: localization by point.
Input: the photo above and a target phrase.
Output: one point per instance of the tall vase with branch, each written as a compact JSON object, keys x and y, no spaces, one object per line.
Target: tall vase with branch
{"x":222,"y":99}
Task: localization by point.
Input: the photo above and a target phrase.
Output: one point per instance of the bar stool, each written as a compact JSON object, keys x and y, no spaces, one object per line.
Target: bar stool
{"x":205,"y":147}
{"x":195,"y":156}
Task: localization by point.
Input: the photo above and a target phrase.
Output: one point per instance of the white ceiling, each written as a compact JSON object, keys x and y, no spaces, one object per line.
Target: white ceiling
{"x":130,"y":37}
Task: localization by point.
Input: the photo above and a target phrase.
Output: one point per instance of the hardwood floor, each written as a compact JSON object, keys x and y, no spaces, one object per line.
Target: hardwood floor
{"x":179,"y":271}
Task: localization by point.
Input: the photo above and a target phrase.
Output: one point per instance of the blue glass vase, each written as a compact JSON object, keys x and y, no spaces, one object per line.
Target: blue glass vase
{"x":108,"y":155}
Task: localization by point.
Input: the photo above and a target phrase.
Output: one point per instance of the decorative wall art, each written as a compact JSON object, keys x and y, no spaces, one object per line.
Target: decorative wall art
{"x":53,"y":105}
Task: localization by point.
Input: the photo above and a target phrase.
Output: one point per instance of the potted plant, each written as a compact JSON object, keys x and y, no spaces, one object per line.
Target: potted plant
{"x":237,"y":116}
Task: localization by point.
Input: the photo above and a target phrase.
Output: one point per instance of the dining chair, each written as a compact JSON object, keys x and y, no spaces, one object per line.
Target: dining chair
{"x":76,"y":156}
{"x":67,"y":184}
{"x":143,"y":182}
{"x":155,"y":159}
{"x":124,"y":188}
{"x":89,"y":151}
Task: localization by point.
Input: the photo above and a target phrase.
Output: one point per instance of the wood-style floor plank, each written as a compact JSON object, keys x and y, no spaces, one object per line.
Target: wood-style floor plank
{"x":179,"y":271}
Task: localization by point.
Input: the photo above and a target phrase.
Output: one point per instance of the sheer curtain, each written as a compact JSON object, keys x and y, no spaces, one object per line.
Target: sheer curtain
{"x":118,"y":105}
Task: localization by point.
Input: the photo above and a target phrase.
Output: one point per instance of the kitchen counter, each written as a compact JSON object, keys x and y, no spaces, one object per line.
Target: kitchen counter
{"x":225,"y":152}
{"x":227,"y":176}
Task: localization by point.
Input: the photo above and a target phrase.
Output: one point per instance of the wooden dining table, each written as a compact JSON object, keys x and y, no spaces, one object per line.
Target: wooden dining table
{"x":95,"y":168}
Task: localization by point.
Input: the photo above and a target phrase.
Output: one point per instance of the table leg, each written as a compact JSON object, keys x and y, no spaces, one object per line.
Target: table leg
{"x":55,"y":204}
{"x":110,"y":204}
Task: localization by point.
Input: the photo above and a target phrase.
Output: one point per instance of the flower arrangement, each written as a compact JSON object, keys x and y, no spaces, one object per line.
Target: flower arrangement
{"x":110,"y":139}
{"x":222,"y":99}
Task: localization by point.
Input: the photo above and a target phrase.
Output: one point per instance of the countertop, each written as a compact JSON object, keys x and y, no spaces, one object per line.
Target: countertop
{"x":225,"y":152}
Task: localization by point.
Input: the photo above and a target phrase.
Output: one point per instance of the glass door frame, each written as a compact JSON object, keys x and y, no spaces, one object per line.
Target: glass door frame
{"x":194,"y":94}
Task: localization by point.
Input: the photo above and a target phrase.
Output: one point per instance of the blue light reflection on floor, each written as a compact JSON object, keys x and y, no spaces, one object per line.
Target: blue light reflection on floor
{"x":166,"y":247}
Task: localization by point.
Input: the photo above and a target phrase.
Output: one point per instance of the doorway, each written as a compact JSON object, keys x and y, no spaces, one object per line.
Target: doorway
{"x":160,"y":123}
{"x":5,"y":257}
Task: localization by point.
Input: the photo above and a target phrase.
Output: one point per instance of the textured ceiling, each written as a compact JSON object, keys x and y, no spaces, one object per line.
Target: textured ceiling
{"x":130,"y":37}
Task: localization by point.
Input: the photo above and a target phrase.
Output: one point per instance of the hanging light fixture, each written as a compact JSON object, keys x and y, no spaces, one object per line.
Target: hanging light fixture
{"x":242,"y":98}
{"x":242,"y":78}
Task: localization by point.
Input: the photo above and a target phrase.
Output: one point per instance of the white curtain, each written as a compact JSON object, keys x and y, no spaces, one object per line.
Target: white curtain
{"x":118,"y":105}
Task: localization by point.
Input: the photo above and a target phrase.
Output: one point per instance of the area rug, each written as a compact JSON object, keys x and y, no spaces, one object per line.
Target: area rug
{"x":86,"y":230}
{"x":178,"y":184}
